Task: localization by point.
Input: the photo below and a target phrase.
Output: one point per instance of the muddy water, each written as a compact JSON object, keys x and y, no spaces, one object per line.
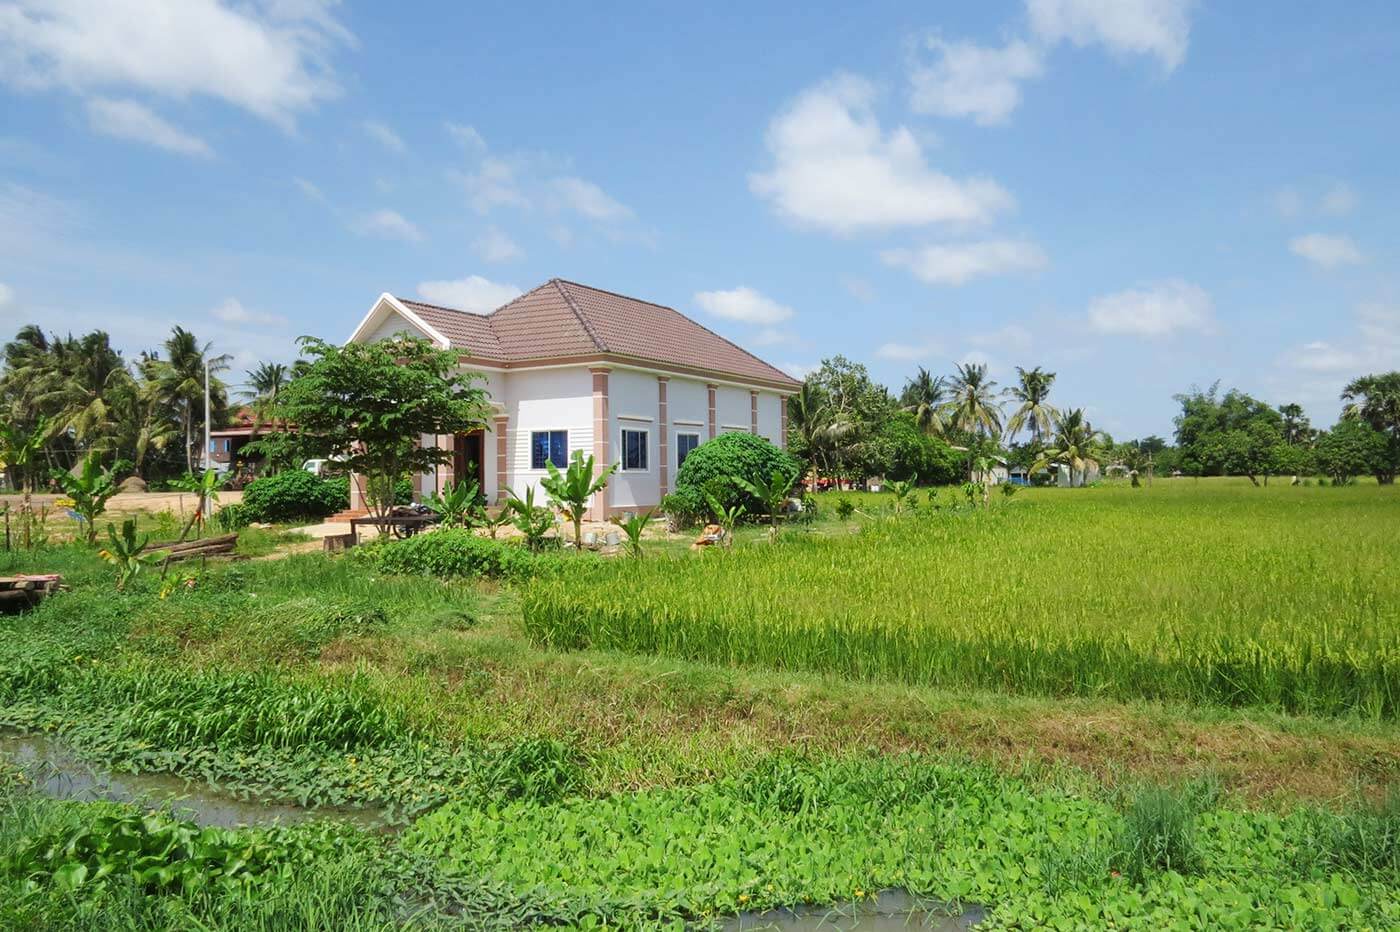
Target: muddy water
{"x":56,"y":771}
{"x":891,"y":910}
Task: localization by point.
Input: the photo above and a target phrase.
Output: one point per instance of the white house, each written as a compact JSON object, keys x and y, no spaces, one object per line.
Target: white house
{"x":569,"y":367}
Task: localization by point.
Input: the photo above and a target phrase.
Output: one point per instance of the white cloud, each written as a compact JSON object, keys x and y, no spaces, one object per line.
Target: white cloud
{"x":126,"y":119}
{"x":798,"y":370}
{"x":1154,"y":310}
{"x":1011,"y":337}
{"x":309,"y":189}
{"x":745,"y":305}
{"x":970,"y":80}
{"x":959,"y":264}
{"x":232,"y":311}
{"x":835,"y":169}
{"x":1160,"y":28}
{"x":495,"y":246}
{"x":1324,"y":251}
{"x":271,"y":59}
{"x":770,"y":336}
{"x":473,"y":293}
{"x":384,"y":135}
{"x":492,"y":185}
{"x":562,"y":235}
{"x":465,"y":136}
{"x":1339,"y":199}
{"x":1375,"y":346}
{"x":590,"y":200}
{"x":907,"y":352}
{"x":389,"y":224}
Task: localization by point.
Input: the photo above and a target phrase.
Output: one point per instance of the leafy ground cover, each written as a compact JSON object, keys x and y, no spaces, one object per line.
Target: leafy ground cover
{"x":1280,"y":597}
{"x":587,"y":787}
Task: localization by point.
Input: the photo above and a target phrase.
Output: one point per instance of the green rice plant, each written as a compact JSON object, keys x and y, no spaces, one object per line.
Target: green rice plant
{"x":1159,"y":833}
{"x":1214,"y":594}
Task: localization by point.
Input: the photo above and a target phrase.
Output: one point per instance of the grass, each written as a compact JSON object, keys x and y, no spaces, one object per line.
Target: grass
{"x":542,"y":783}
{"x":1220,"y":594}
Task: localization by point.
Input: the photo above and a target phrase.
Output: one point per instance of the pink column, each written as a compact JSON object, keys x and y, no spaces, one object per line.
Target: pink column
{"x":712,"y":389}
{"x":782,"y":421}
{"x":753,"y":413}
{"x":502,"y":458}
{"x":663,"y":425}
{"x":601,"y":430}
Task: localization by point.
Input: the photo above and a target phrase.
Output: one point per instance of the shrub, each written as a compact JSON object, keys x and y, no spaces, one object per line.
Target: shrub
{"x":232,"y":517}
{"x":450,"y":553}
{"x":291,"y":494}
{"x":714,"y":465}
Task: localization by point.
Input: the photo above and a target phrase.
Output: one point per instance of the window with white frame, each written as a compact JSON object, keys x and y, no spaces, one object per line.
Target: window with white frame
{"x":685,"y":442}
{"x":549,"y":446}
{"x":634,"y":450}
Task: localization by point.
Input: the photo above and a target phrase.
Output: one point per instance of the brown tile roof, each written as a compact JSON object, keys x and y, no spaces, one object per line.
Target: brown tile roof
{"x":562,"y":319}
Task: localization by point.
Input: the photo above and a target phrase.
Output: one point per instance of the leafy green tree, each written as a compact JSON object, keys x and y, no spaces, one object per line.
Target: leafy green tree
{"x":1233,"y":434}
{"x":571,"y":489}
{"x":89,"y":489}
{"x":1351,"y":448}
{"x":367,"y":404}
{"x":1375,"y":399}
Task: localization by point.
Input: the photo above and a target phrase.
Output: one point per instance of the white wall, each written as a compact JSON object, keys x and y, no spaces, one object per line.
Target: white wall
{"x":633,"y":404}
{"x":544,"y":399}
{"x":732,"y":410}
{"x":770,"y":417}
{"x":394,"y":323}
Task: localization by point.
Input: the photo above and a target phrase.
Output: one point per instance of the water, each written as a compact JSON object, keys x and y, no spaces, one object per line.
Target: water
{"x":54,"y":770}
{"x":890,"y":910}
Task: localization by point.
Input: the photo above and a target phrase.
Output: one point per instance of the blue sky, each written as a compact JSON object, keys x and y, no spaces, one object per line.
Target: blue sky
{"x":1140,"y":195}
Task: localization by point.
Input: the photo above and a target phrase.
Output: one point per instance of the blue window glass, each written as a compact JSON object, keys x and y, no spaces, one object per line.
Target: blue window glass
{"x":213,"y":446}
{"x":549,"y":446}
{"x":227,"y":445}
{"x":684,"y":444}
{"x":634,"y":450}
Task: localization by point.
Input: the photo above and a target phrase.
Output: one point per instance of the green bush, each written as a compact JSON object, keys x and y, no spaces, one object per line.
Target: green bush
{"x":451,"y":552}
{"x":716,"y":463}
{"x":293,"y":494}
{"x":232,"y":517}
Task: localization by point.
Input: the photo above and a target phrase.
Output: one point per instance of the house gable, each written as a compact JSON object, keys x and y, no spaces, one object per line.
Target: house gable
{"x":388,"y":316}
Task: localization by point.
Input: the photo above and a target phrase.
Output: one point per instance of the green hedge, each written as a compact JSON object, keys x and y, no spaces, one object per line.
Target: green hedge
{"x":454,"y":552}
{"x":293,"y":494}
{"x":715,"y":463}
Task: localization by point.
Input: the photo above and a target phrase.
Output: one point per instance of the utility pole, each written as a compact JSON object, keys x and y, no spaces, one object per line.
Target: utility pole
{"x":204,"y":499}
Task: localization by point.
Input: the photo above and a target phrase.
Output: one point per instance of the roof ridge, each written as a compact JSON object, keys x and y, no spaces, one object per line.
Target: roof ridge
{"x":583,"y":320}
{"x":443,"y":307}
{"x":667,"y":307}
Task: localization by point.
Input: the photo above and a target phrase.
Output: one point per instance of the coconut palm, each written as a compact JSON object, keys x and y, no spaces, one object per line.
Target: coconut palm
{"x":1075,"y":445}
{"x":181,"y":381}
{"x":1034,"y":411}
{"x":821,"y":430}
{"x":973,"y":406}
{"x":265,"y":383}
{"x":923,"y":396}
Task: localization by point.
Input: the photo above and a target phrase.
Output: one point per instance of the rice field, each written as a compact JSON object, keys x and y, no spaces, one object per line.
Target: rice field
{"x":1212,"y":592}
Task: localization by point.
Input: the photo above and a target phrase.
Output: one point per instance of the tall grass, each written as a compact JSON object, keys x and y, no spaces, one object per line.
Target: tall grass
{"x":1213,"y":593}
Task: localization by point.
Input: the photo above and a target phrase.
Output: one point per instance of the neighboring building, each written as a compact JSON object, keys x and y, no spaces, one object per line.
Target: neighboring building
{"x":226,"y":442}
{"x":569,"y":367}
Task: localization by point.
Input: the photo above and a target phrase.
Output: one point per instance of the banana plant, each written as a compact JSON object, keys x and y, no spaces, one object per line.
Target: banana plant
{"x":633,"y":528}
{"x":534,"y":521}
{"x":459,"y":507}
{"x":773,"y":493}
{"x":89,"y":489}
{"x":127,"y":552}
{"x":726,"y":517}
{"x":902,"y":495}
{"x":207,"y":488}
{"x":570,"y":490}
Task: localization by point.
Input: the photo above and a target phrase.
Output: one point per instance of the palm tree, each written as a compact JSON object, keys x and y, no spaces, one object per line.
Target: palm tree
{"x":923,"y":396}
{"x":1295,"y":423}
{"x":820,"y":429}
{"x":265,"y":383}
{"x":1034,"y":410}
{"x":973,"y":406}
{"x":93,"y":373}
{"x":1075,"y":445}
{"x":181,"y":381}
{"x":1375,"y":399}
